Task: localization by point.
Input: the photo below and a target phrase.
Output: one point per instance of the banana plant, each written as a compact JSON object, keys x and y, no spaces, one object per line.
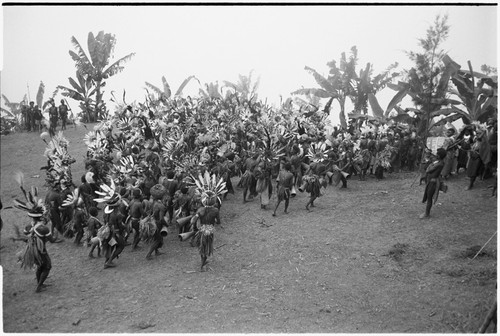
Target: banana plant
{"x":95,"y":65}
{"x":339,"y":85}
{"x":166,"y":93}
{"x":423,"y":99}
{"x":246,"y":87}
{"x":10,"y":116}
{"x":365,"y":91}
{"x":83,"y":91}
{"x":477,"y":96}
{"x":212,"y":91}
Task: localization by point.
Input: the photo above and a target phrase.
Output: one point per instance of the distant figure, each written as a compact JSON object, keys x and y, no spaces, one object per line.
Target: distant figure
{"x":63,"y":114}
{"x":53,"y":117}
{"x":24,"y":114}
{"x":37,"y":117}
{"x":30,"y":120}
{"x":450,"y":162}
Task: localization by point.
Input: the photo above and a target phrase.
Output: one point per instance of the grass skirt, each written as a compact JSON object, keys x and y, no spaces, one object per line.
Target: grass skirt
{"x":264,"y":189}
{"x":147,"y":228}
{"x":31,"y":255}
{"x":69,"y":229}
{"x":204,"y":239}
{"x":283,"y":193}
{"x":247,"y":179}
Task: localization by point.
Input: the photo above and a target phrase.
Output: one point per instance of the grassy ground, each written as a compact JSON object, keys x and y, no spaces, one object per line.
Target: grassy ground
{"x":360,"y":262}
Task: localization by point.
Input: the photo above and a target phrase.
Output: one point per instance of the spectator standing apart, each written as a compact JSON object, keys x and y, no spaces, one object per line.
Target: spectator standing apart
{"x":1,"y":221}
{"x":492,"y":135}
{"x":466,"y":140}
{"x":450,"y":162}
{"x":479,"y":155}
{"x":36,"y":119}
{"x":433,"y":173}
{"x":63,"y":114}
{"x":54,"y":117}
{"x":30,"y":121}
{"x":24,"y":114}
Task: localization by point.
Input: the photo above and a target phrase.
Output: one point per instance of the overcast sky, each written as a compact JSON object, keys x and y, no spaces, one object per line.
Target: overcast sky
{"x":217,"y":43}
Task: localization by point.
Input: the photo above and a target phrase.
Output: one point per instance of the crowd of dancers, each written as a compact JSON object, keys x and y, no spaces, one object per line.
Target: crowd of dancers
{"x":151,"y":170}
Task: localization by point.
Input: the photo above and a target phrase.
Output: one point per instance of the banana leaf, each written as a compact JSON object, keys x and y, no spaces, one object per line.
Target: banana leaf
{"x":315,"y":92}
{"x":376,"y":109}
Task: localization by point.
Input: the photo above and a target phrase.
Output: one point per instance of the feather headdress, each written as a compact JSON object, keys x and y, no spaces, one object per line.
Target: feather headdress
{"x":61,"y":140}
{"x":209,"y":188}
{"x":318,"y":152}
{"x":74,"y":199}
{"x":59,"y":161}
{"x":368,"y":128}
{"x":34,"y":205}
{"x":109,"y":196}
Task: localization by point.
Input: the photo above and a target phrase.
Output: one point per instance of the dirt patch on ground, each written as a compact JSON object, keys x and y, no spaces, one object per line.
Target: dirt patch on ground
{"x":360,"y":262}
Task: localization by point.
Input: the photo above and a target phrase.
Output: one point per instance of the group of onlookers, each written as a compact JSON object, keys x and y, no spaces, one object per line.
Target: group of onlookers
{"x":32,"y":117}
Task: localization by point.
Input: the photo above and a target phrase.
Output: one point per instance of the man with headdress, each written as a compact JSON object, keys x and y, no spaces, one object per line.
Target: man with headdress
{"x":158,"y":212}
{"x":248,"y":181}
{"x":296,"y":158}
{"x":203,"y":223}
{"x":361,"y":160}
{"x":53,"y":201}
{"x":87,"y":189}
{"x":93,"y":226}
{"x":433,"y":182}
{"x":285,"y":184}
{"x":315,"y":177}
{"x":136,"y":213}
{"x":264,"y":185}
{"x":114,"y":243}
{"x":58,"y":176}
{"x":78,"y":221}
{"x":209,"y":189}
{"x":171,"y":186}
{"x":38,"y":234}
{"x":80,"y":217}
{"x":66,"y":190}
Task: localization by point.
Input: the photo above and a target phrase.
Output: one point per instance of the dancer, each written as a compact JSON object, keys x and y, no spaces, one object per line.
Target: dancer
{"x":114,"y":243}
{"x":433,"y":173}
{"x":159,"y":210}
{"x":479,"y":154}
{"x":285,"y":184}
{"x":203,"y":222}
{"x":35,"y":253}
{"x":136,"y":212}
{"x":93,"y":227}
